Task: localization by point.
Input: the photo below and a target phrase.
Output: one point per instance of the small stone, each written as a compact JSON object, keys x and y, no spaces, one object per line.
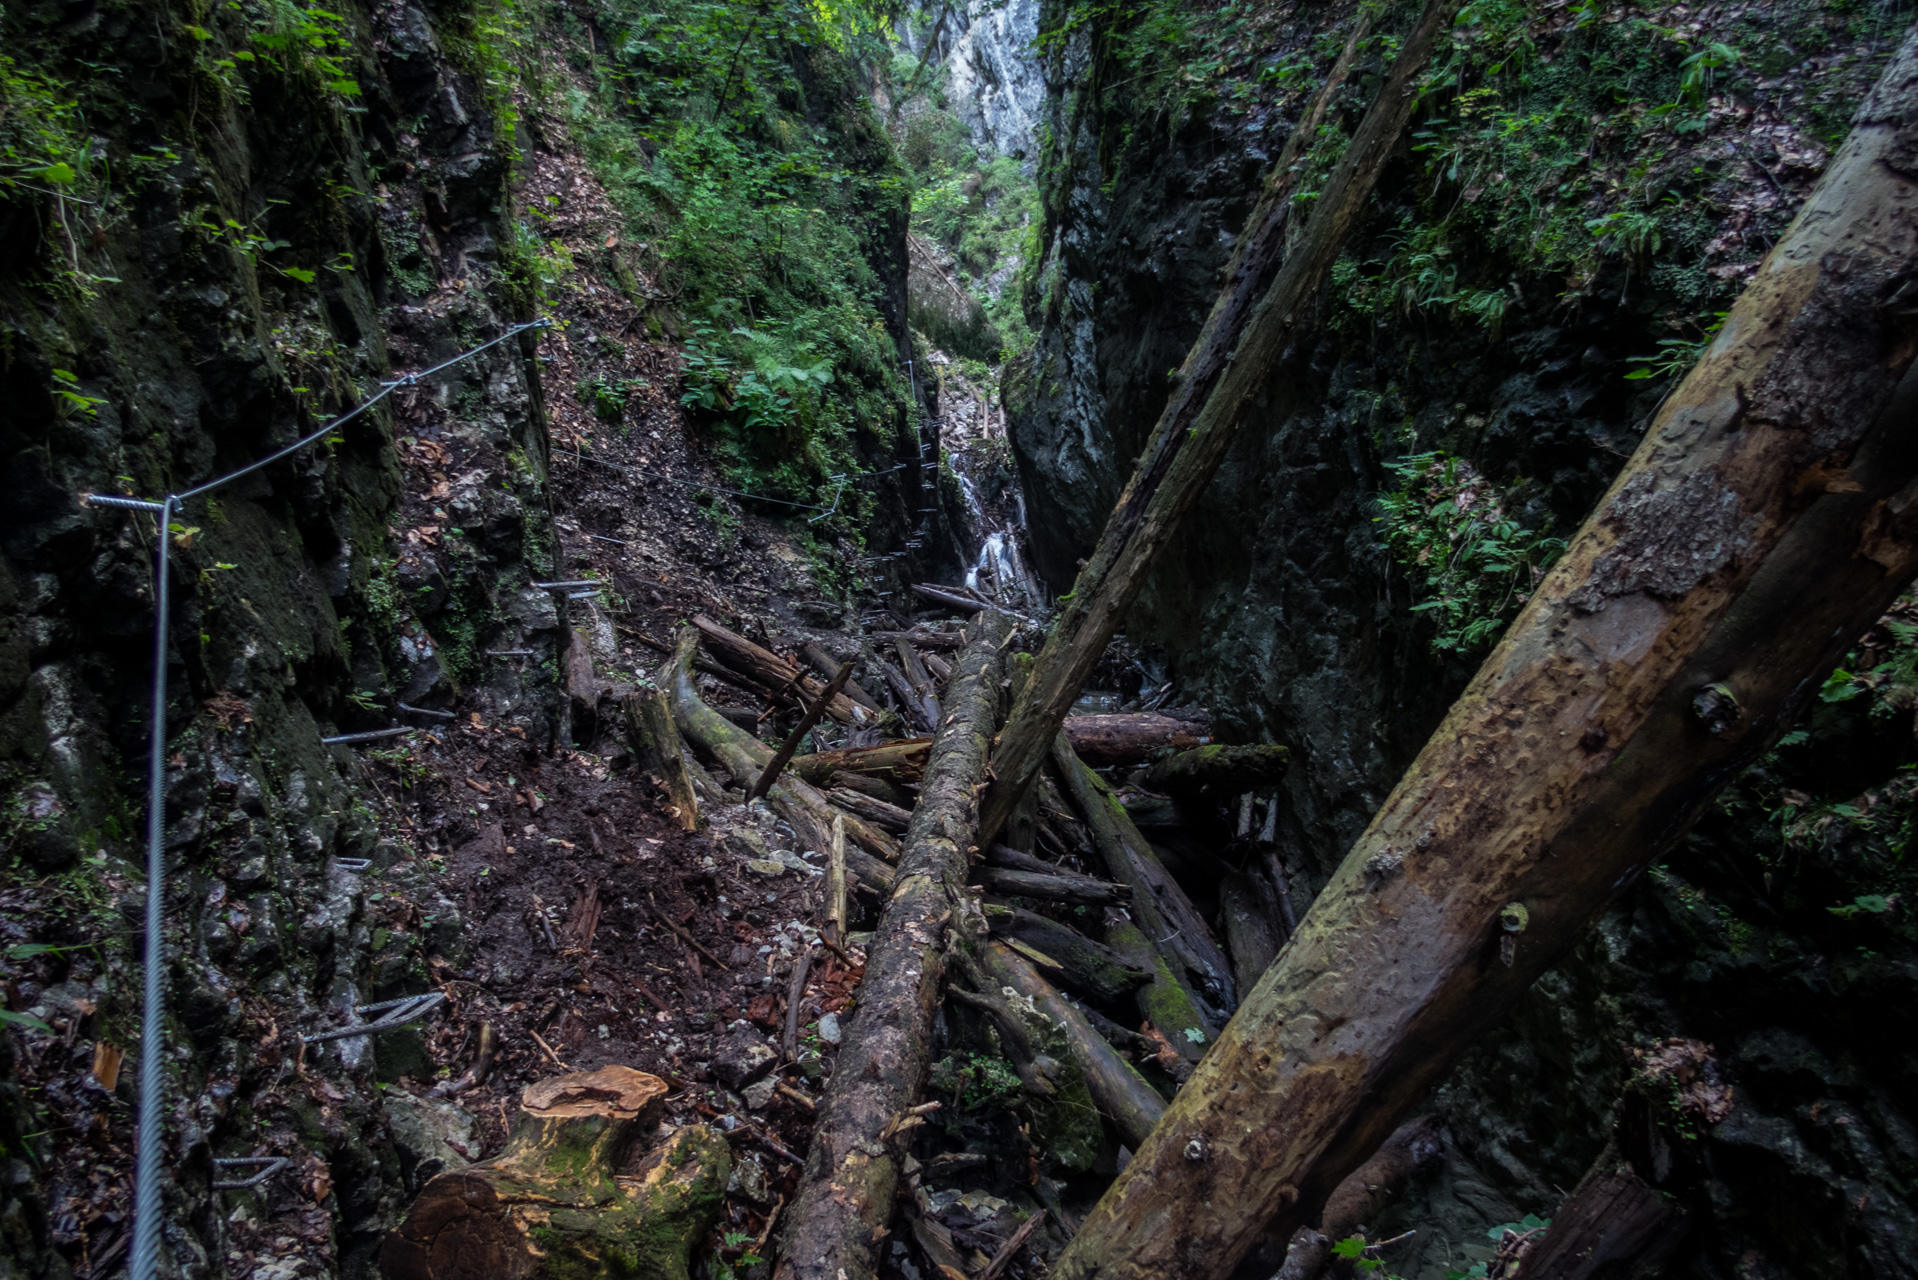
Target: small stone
{"x":742,"y":1056}
{"x":829,"y":1030}
{"x":757,"y":1094}
{"x":765,"y":867}
{"x":749,"y":1179}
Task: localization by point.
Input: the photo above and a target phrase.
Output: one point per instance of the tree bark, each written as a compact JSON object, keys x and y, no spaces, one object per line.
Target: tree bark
{"x":1132,"y":737}
{"x":902,"y":762}
{"x":1235,"y":354}
{"x":1216,"y":772}
{"x":655,"y":739}
{"x":1122,"y":1095}
{"x":1769,"y":516}
{"x":549,"y":1206}
{"x":1611,"y":1221}
{"x":921,"y":681}
{"x":1251,"y":933}
{"x":839,"y":1212}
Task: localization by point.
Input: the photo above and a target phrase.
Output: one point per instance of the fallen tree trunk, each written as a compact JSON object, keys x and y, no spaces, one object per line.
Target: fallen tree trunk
{"x":1235,"y":354}
{"x":1099,"y":740}
{"x":1157,"y":903}
{"x":1769,"y":516}
{"x":1088,"y":967}
{"x":1252,"y":932}
{"x":1356,"y":1202}
{"x":1215,"y":772}
{"x":948,"y":640}
{"x":921,"y":681}
{"x":1056,"y":886}
{"x":767,"y":668}
{"x":1132,"y":737}
{"x":1610,"y":1222}
{"x":549,"y":1205}
{"x":839,"y":1212}
{"x":902,"y":762}
{"x":1122,"y":1095}
{"x":655,"y":740}
{"x":888,"y":816}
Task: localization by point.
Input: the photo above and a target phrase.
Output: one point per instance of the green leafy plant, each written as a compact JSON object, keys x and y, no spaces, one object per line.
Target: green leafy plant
{"x":1449,"y":528}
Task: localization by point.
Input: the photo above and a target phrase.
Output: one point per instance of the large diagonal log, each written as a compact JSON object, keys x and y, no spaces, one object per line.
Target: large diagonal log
{"x":1768,"y":517}
{"x":838,"y":1214}
{"x":1230,"y":362}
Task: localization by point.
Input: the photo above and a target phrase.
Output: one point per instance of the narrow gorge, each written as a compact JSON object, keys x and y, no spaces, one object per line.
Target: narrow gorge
{"x":964,"y":640}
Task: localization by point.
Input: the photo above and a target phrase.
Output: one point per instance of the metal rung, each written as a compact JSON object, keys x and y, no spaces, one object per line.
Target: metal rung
{"x":367,"y":737}
{"x":130,"y":504}
{"x":273,"y":1165}
{"x":404,"y":1010}
{"x":428,"y":711}
{"x":512,"y":653}
{"x":581,"y":595}
{"x":618,"y":542}
{"x":560,"y":586}
{"x":355,"y":865}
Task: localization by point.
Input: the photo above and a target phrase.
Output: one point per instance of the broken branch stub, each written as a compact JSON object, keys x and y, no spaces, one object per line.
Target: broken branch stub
{"x":1769,"y":516}
{"x":846,"y":1193}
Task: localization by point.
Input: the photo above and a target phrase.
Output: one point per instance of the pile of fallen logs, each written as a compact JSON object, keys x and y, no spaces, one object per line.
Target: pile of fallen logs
{"x":1064,"y":948}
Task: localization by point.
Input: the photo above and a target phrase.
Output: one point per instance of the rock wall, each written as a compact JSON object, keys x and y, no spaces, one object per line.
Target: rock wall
{"x":256,"y":223}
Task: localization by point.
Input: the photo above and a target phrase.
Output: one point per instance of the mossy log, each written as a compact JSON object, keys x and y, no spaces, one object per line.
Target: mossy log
{"x":1216,"y":771}
{"x":1173,"y":926}
{"x":1132,"y":737}
{"x":1088,"y":967}
{"x":1121,"y":1093}
{"x":553,"y":1206}
{"x":655,"y":740}
{"x":1767,"y":518}
{"x":837,"y":1216}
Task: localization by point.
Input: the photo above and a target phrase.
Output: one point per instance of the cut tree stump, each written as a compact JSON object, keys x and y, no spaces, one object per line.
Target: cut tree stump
{"x":838,"y":1214}
{"x":550,"y":1206}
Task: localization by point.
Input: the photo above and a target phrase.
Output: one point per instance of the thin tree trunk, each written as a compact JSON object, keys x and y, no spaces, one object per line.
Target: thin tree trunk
{"x":1132,"y":737}
{"x":839,"y":1212}
{"x":1232,"y":359}
{"x":814,"y":710}
{"x":1769,"y":517}
{"x":765,"y":667}
{"x":1356,"y":1202}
